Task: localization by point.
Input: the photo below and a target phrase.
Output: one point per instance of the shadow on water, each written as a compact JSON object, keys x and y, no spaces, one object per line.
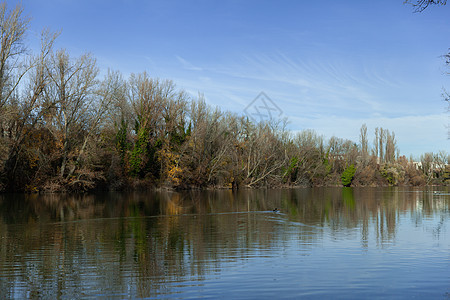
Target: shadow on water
{"x":146,"y":244}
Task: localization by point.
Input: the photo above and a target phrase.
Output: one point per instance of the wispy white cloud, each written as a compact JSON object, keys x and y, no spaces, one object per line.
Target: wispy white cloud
{"x":187,"y":65}
{"x":321,"y":82}
{"x":334,"y":97}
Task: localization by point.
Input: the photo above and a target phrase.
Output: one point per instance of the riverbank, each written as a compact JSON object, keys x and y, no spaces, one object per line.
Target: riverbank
{"x":383,"y":176}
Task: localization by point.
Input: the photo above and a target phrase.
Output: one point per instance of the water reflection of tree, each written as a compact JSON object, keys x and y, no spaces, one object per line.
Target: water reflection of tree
{"x":64,"y":245}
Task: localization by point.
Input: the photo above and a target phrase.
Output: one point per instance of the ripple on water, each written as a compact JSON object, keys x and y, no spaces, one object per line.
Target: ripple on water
{"x":317,"y":247}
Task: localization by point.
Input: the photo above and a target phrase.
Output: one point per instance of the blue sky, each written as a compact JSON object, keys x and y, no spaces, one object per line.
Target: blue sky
{"x":328,"y":65}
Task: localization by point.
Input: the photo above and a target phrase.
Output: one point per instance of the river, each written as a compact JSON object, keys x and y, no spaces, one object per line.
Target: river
{"x":335,"y":243}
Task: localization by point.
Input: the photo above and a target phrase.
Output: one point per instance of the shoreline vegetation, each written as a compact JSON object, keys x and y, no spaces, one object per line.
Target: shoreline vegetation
{"x":64,"y":129}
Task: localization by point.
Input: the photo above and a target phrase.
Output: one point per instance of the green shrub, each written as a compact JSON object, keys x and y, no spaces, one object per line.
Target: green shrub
{"x":347,"y":175}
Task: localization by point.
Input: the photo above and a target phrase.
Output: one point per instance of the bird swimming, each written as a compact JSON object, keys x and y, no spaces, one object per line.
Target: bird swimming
{"x":276,"y":210}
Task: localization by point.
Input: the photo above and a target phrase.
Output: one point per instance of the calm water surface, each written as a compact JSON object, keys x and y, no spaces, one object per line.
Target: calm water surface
{"x":324,"y":243}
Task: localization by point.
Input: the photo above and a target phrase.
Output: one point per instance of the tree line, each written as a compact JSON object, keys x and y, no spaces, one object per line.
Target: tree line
{"x":63,"y":128}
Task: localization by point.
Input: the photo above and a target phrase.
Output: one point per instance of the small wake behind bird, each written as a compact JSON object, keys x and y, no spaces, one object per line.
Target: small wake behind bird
{"x":437,"y":193}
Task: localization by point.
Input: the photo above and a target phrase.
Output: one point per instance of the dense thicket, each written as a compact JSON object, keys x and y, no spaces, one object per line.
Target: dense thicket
{"x":64,"y":128}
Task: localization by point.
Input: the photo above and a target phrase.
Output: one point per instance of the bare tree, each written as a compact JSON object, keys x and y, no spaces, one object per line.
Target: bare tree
{"x":376,"y":143}
{"x":266,"y":155}
{"x":364,"y":144}
{"x":12,"y":69}
{"x":427,"y":165}
{"x":71,"y":99}
{"x":12,"y":30}
{"x":441,"y":159}
{"x":147,"y":97}
{"x":421,"y":5}
{"x":115,"y":89}
{"x":22,"y":112}
{"x":205,"y":152}
{"x":391,"y":147}
{"x":98,"y":108}
{"x":309,"y":153}
{"x":381,"y":140}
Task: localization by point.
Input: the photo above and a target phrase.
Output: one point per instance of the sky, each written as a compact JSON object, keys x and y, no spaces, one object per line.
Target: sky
{"x":327,"y":65}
